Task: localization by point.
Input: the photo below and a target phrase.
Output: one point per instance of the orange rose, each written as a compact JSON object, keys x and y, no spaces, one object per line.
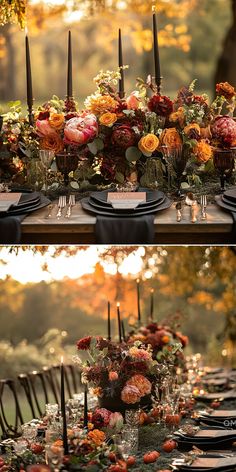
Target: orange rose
{"x":130,"y":394}
{"x":97,"y":436}
{"x":226,"y":90}
{"x":52,"y":142}
{"x":171,"y":138}
{"x":178,"y":116}
{"x":56,"y":120}
{"x":99,"y":104}
{"x":191,"y":129}
{"x":148,"y":143}
{"x":108,"y":119}
{"x":202,"y":151}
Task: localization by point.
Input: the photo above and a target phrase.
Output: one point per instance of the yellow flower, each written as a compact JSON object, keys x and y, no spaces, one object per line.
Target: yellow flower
{"x":108,"y":119}
{"x":56,"y":120}
{"x":148,"y":143}
{"x":202,"y":151}
{"x":192,"y":127}
{"x":99,"y":104}
{"x":178,"y":116}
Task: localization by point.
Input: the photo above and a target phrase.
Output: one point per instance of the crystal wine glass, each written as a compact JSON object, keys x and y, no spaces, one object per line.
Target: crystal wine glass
{"x":46,"y":157}
{"x":54,"y":457}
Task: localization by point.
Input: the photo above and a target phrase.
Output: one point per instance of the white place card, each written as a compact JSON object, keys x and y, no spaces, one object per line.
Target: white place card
{"x":126,"y":200}
{"x":8,"y":199}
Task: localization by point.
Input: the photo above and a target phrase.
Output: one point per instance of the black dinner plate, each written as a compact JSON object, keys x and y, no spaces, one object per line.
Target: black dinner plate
{"x":222,"y":204}
{"x":227,"y":463}
{"x":86,"y":205}
{"x":14,"y":211}
{"x":138,"y":209}
{"x":26,"y":200}
{"x":152,"y":196}
{"x":230,"y":195}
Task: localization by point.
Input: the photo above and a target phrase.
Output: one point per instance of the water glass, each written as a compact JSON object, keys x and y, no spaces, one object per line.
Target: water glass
{"x":54,"y":456}
{"x":124,"y":448}
{"x":20,"y":446}
{"x":46,"y":157}
{"x":129,"y":434}
{"x":51,"y":409}
{"x":132,"y":417}
{"x":29,"y":431}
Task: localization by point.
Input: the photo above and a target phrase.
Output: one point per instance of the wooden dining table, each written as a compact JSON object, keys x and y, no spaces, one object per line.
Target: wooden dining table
{"x":80,"y":227}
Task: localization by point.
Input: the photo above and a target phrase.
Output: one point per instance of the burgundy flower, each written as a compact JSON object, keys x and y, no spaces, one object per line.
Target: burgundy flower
{"x":70,"y":105}
{"x":102,"y":343}
{"x":124,"y":136}
{"x":84,"y":343}
{"x":161,"y":105}
{"x":152,"y":327}
{"x":101,"y":417}
{"x":43,"y":115}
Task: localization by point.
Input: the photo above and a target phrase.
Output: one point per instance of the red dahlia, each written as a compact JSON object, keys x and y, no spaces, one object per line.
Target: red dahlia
{"x":84,"y":343}
{"x":124,"y":136}
{"x":161,"y":105}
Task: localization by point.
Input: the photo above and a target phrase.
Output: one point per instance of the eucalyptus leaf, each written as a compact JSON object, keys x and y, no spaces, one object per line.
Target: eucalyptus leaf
{"x":99,"y":143}
{"x":93,"y":147}
{"x":74,"y":185}
{"x":119,"y":177}
{"x":132,"y":154}
{"x":185,"y":185}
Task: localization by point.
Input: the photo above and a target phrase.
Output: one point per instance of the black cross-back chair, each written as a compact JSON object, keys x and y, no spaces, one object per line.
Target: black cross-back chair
{"x":10,"y":430}
{"x":25,"y":383}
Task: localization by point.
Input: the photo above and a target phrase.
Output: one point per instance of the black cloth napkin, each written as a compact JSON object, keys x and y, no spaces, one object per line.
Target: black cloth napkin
{"x":10,"y":229}
{"x":133,"y":230}
{"x":233,"y":213}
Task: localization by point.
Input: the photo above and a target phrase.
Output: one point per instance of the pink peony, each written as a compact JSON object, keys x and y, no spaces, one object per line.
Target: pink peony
{"x":116,"y":420}
{"x":44,"y":128}
{"x":142,"y":383}
{"x":132,"y":102}
{"x":140,"y":354}
{"x":80,"y":130}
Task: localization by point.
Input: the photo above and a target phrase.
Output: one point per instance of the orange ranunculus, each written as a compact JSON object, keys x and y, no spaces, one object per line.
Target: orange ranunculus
{"x":108,"y":119}
{"x":56,"y":120}
{"x":142,"y":383}
{"x":177,"y":115}
{"x":97,"y":391}
{"x":99,"y":104}
{"x":97,"y":436}
{"x":52,"y":142}
{"x":226,"y":90}
{"x":113,"y":376}
{"x":202,"y":151}
{"x":148,"y":143}
{"x":165,"y":339}
{"x":171,"y":138}
{"x":191,"y":129}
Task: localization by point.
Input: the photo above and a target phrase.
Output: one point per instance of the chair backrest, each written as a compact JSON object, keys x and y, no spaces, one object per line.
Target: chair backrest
{"x":10,"y":413}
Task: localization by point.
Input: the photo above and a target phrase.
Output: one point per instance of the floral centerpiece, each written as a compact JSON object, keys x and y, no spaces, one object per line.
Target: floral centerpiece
{"x":120,"y":374}
{"x":166,"y":341}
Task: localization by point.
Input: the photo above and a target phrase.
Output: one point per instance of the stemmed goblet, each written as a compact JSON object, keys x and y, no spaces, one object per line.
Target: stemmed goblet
{"x":66,"y":163}
{"x":46,"y":157}
{"x":223,"y":160}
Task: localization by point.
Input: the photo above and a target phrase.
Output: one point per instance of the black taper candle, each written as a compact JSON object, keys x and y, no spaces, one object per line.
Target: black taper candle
{"x":123,"y":329}
{"x":119,"y":322}
{"x":69,"y":68}
{"x":85,"y":406}
{"x":29,"y":87}
{"x":120,"y":62}
{"x":108,"y":321}
{"x":138,"y":300}
{"x":156,"y":54}
{"x":63,"y":409}
{"x":151,"y":303}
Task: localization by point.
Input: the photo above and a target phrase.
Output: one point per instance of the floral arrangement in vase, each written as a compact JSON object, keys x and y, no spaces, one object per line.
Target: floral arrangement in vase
{"x":120,"y":374}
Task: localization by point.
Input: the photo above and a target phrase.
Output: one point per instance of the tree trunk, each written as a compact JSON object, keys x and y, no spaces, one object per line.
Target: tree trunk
{"x":226,"y":65}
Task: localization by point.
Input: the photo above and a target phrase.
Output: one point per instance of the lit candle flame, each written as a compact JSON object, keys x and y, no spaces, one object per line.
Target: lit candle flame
{"x":152,"y":290}
{"x":154,"y":8}
{"x":62,"y":359}
{"x":118,"y":304}
{"x":137,"y":281}
{"x":26,"y":30}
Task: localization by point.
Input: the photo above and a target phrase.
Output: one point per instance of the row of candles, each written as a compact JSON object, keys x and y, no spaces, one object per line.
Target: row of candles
{"x":121,"y":331}
{"x":121,"y":327}
{"x":29,"y":86}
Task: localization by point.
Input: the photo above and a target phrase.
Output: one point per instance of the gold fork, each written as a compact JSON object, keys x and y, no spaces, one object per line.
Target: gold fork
{"x":61,"y":205}
{"x":70,"y":205}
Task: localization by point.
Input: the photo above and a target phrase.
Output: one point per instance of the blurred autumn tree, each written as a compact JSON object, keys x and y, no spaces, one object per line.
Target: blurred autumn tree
{"x":198,"y":282}
{"x":190,"y":34}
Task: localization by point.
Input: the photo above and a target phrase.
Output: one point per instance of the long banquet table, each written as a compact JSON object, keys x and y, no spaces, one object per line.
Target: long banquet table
{"x":80,"y":227}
